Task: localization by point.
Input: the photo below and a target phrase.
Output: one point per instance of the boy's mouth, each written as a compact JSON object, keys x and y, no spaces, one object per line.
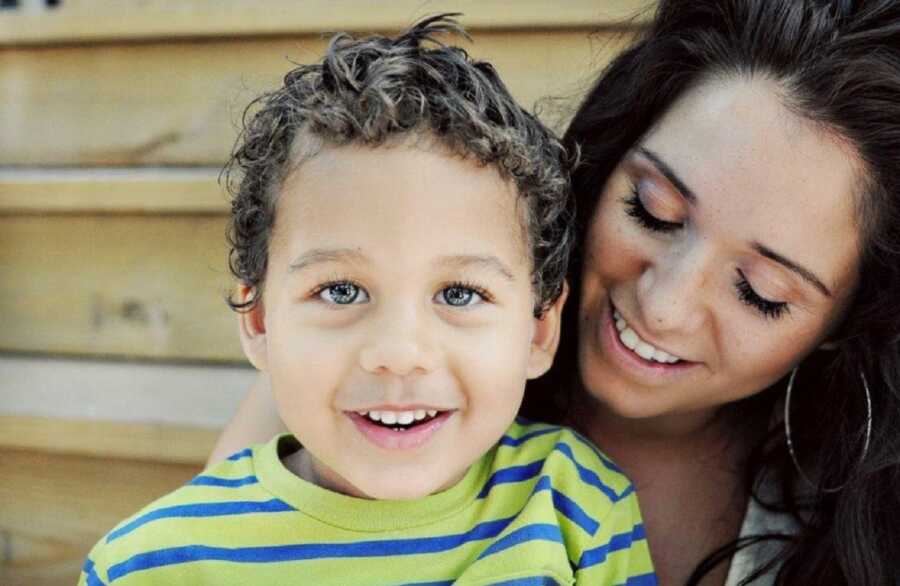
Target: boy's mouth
{"x":400,"y":420}
{"x":401,"y":429}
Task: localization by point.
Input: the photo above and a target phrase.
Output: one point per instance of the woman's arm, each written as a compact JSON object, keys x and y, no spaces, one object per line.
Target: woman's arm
{"x":256,"y":421}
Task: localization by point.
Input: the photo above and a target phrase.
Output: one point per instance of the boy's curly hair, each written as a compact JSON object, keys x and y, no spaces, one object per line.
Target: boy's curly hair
{"x":370,"y":90}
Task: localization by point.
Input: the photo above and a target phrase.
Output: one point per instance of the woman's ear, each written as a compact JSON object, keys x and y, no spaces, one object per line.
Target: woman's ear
{"x":545,"y":340}
{"x":252,"y":328}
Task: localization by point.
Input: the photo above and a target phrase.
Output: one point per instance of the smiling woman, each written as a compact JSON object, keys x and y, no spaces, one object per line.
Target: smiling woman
{"x":739,"y":210}
{"x":683,"y":260}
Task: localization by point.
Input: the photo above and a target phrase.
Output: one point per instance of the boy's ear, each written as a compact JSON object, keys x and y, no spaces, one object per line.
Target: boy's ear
{"x":546,"y":336}
{"x":252,"y":327}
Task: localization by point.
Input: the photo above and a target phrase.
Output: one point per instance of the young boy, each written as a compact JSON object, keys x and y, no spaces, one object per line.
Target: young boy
{"x":400,"y":232}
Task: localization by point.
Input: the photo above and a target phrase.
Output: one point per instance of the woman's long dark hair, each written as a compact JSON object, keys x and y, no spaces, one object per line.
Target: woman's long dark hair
{"x":838,"y":65}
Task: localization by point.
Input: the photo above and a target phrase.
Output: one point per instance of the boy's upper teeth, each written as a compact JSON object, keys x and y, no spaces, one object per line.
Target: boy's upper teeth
{"x":634,"y":342}
{"x":401,"y":417}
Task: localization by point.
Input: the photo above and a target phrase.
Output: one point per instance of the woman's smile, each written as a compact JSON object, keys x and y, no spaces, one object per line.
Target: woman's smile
{"x":638,"y":357}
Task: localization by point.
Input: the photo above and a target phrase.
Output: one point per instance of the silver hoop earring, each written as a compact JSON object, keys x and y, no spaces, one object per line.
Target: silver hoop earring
{"x":790,"y":443}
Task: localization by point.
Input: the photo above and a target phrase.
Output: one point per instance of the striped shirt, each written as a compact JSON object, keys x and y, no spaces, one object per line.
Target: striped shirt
{"x":543,"y":507}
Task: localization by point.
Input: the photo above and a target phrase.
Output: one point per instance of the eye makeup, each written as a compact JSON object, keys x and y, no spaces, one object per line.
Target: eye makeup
{"x":638,"y":212}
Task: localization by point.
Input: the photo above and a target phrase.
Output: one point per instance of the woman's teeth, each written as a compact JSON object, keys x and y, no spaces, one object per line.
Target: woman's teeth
{"x":634,"y":343}
{"x":398,"y":417}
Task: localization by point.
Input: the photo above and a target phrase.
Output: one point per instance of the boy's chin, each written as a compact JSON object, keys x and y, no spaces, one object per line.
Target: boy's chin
{"x":404,"y":489}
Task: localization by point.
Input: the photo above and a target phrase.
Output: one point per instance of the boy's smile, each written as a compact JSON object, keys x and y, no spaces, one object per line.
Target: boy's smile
{"x":396,"y":319}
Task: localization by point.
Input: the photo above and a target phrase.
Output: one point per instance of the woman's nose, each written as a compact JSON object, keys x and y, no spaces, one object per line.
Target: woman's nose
{"x":671,"y":291}
{"x":399,"y":343}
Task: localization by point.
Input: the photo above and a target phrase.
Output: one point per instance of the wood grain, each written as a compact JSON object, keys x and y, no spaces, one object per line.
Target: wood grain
{"x":172,"y":444}
{"x":111,"y":191}
{"x":179,"y":103}
{"x":54,"y":507}
{"x":104,"y":20}
{"x":118,"y":285}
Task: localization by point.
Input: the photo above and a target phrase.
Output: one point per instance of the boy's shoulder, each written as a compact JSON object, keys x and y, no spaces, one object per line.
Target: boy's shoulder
{"x":564,"y":454}
{"x":562,"y":489}
{"x":192,"y":513}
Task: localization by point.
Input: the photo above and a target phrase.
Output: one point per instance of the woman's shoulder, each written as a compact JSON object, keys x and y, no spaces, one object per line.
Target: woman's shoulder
{"x":759,"y":520}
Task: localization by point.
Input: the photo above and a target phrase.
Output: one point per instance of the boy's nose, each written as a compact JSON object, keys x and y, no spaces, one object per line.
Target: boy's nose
{"x":399,"y":357}
{"x":399,"y":345}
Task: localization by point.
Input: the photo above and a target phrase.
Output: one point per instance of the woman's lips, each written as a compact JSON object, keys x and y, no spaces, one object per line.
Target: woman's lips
{"x":393,"y":439}
{"x":629,"y":361}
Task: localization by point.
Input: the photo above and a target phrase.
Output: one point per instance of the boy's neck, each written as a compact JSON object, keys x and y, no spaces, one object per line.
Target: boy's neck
{"x":304,"y":465}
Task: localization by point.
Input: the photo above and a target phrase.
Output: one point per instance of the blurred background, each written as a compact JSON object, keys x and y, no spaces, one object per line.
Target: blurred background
{"x":119,"y":360}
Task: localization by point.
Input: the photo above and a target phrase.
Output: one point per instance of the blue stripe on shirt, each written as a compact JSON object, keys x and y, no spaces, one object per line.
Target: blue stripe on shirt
{"x":561,"y":502}
{"x":573,"y":512}
{"x":590,"y":477}
{"x":223,"y":482}
{"x":530,"y":581}
{"x":510,"y":475}
{"x":617,"y":542}
{"x":518,"y":441}
{"x":245,"y":453}
{"x":92,"y":578}
{"x":523,"y":472}
{"x":642,"y":580}
{"x":202,"y":510}
{"x":306,"y":551}
{"x":609,"y":464}
{"x":535,"y":532}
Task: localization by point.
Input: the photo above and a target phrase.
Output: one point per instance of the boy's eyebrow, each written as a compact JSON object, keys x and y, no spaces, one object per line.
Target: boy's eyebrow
{"x":320,"y":255}
{"x":461,"y":261}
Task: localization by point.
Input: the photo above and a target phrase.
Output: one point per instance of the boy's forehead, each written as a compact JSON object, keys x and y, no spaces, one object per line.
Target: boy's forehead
{"x":414,"y":188}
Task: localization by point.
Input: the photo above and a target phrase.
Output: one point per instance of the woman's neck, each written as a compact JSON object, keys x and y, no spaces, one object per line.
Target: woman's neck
{"x":689,"y":475}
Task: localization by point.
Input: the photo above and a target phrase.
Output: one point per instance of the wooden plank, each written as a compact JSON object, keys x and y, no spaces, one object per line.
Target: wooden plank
{"x":53,"y":508}
{"x":178,"y":103}
{"x":104,"y":20}
{"x":185,"y":395}
{"x":176,"y":444}
{"x":142,"y":191}
{"x":132,"y":286}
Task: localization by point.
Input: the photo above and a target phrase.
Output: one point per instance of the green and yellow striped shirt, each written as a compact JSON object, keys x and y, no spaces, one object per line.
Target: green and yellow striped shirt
{"x":543,"y":507}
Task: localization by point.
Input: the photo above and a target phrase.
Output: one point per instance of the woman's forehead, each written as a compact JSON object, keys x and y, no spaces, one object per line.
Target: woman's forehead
{"x":761,"y":173}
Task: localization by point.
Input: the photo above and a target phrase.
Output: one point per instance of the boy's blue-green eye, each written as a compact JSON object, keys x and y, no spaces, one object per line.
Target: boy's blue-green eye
{"x":458,"y":296}
{"x":343,"y":294}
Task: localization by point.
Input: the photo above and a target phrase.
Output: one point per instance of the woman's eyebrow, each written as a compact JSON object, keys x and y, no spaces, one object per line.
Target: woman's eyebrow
{"x":668,"y":173}
{"x":805,"y":273}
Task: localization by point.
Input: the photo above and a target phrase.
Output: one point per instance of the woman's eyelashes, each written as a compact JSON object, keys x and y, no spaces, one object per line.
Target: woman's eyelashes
{"x":347,"y":292}
{"x":636,"y":209}
{"x":769,"y":309}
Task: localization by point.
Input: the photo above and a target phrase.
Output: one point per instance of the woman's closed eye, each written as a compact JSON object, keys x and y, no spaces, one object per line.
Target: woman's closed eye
{"x":767,"y":308}
{"x":636,"y":209}
{"x":341,"y":293}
